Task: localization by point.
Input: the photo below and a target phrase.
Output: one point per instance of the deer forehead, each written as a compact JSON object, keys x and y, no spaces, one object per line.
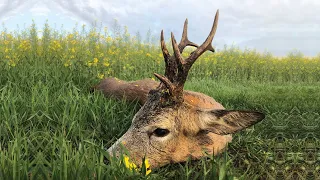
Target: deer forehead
{"x":183,"y":116}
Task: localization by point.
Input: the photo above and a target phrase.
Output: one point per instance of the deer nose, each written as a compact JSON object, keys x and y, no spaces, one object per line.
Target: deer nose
{"x":106,"y":160}
{"x":114,"y":147}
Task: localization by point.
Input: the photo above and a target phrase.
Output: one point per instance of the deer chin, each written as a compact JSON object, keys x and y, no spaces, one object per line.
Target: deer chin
{"x":175,"y":155}
{"x":154,"y":160}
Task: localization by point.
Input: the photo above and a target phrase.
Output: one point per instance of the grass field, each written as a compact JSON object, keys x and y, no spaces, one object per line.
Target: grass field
{"x":51,"y":127}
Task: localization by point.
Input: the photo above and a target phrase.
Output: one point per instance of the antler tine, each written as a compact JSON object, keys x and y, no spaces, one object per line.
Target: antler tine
{"x":166,"y":82}
{"x":206,"y":45}
{"x":165,"y":51}
{"x":184,"y":39}
{"x":177,"y":54}
{"x":169,"y":64}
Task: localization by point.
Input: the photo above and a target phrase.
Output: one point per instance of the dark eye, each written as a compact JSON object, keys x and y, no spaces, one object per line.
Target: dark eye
{"x":161,"y":132}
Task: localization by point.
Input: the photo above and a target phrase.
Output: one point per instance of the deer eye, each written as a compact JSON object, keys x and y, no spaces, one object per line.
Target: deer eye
{"x":161,"y":132}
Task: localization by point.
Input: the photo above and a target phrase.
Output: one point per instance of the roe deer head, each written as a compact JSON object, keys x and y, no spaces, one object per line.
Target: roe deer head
{"x":174,"y":124}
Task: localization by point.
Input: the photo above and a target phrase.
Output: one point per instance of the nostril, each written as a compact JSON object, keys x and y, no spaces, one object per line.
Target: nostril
{"x":92,"y":89}
{"x":106,"y":160}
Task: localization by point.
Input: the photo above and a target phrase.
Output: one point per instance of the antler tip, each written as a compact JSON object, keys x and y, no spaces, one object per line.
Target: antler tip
{"x":160,"y":77}
{"x":172,"y":37}
{"x":165,"y":81}
{"x":217,"y":13}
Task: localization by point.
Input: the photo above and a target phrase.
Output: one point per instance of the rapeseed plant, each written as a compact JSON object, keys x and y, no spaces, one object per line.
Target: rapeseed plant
{"x":123,"y":52}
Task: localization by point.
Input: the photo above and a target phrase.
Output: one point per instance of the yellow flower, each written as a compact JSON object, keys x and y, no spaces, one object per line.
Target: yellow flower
{"x":100,"y":75}
{"x":148,"y":169}
{"x":106,"y":64}
{"x":70,"y":36}
{"x":131,"y":165}
{"x":89,"y":63}
{"x":66,"y":64}
{"x":12,"y":63}
{"x":108,"y":39}
{"x":95,"y":60}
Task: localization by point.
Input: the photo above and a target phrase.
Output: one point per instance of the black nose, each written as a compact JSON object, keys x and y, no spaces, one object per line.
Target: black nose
{"x":92,"y":89}
{"x":106,"y":160}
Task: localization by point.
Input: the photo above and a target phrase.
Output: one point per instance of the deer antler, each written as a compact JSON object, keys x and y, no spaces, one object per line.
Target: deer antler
{"x":184,"y":39}
{"x":177,"y":68}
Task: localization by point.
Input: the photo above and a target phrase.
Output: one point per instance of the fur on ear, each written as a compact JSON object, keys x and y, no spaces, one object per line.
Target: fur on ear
{"x":225,"y":122}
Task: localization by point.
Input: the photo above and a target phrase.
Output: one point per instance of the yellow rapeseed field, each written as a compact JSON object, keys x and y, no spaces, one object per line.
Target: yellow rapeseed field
{"x":123,"y":55}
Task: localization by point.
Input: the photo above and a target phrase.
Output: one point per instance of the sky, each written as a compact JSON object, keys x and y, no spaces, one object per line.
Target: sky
{"x":276,"y":26}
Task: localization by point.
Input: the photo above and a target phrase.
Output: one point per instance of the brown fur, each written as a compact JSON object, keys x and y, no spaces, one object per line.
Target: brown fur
{"x":138,"y":90}
{"x":198,"y":125}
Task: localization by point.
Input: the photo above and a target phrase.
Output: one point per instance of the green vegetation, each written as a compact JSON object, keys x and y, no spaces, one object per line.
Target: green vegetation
{"x":51,"y":127}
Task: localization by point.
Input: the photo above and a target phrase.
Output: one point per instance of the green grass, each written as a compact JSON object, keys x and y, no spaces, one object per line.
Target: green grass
{"x":51,"y":127}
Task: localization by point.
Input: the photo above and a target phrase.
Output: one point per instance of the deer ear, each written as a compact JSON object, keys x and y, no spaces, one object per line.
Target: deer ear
{"x":225,"y":122}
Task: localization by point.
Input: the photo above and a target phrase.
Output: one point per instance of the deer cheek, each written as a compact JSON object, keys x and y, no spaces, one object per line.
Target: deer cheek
{"x":172,"y":149}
